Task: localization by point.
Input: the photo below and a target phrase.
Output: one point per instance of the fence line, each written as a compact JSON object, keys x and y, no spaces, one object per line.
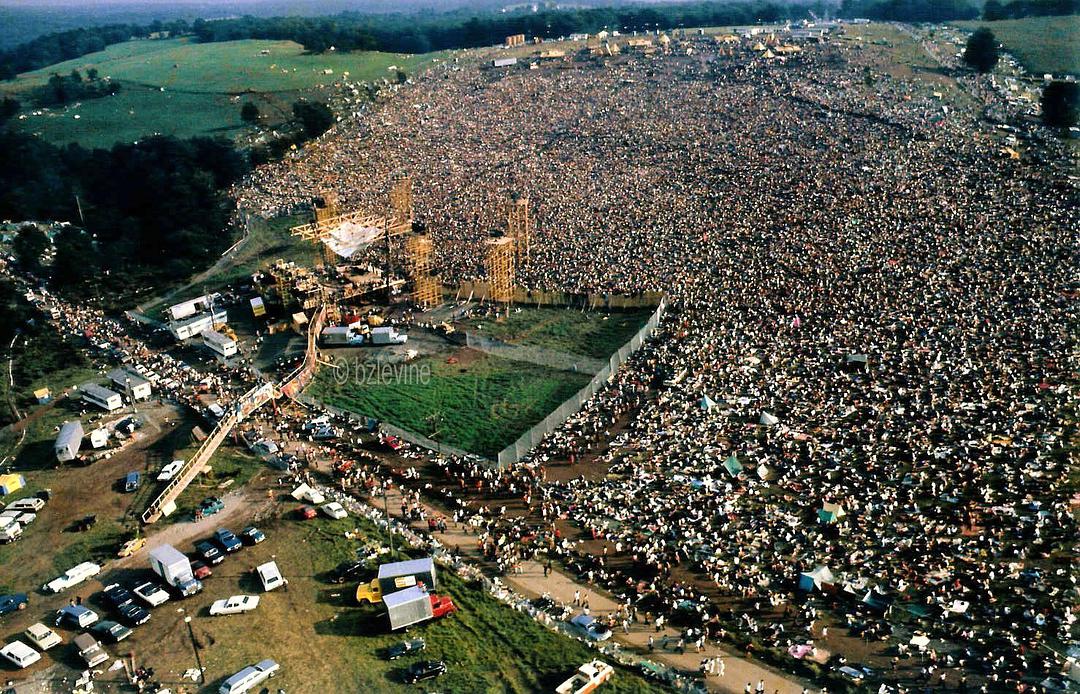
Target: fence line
{"x":527,"y":441}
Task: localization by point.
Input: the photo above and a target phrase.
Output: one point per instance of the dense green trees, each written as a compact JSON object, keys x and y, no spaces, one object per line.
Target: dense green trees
{"x":981,"y":52}
{"x":155,"y":211}
{"x":1061,"y":104}
{"x":994,"y":10}
{"x":249,"y":112}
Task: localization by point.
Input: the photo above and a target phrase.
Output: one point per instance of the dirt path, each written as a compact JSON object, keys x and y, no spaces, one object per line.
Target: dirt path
{"x":531,"y":582}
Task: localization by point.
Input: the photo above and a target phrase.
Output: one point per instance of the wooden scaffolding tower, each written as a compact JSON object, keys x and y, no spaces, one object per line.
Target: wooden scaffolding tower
{"x":401,"y":199}
{"x":427,"y":291}
{"x":499,"y":263}
{"x":519,"y":225}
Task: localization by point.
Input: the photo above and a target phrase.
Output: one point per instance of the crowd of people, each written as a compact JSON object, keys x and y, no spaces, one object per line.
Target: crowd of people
{"x":858,"y":399}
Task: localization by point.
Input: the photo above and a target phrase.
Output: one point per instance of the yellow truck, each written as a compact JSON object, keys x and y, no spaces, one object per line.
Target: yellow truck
{"x":369,"y":592}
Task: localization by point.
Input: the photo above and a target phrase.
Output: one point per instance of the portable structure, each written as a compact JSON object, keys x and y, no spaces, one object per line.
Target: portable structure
{"x":407,"y":607}
{"x":174,"y":568}
{"x":519,"y":225}
{"x":131,"y":382}
{"x":193,"y":326}
{"x":403,"y":574}
{"x":102,"y":397}
{"x":219,"y":343}
{"x":11,"y":483}
{"x":68,"y":441}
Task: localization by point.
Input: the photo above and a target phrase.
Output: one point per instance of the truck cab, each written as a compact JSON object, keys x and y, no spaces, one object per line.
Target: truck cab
{"x":369,"y":592}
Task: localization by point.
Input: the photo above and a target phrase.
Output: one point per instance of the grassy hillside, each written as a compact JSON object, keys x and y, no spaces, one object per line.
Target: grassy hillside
{"x":180,"y":88}
{"x":1041,"y":44}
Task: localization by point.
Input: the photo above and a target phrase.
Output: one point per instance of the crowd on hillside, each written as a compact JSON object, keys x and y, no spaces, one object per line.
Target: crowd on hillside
{"x":862,"y":381}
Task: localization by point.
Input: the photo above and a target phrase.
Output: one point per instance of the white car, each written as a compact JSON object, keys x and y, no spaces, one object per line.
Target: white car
{"x":42,"y":636}
{"x":20,"y":654}
{"x":235,"y":605}
{"x":334,"y":510}
{"x":151,"y":593}
{"x":74,"y":576}
{"x":170,"y":470}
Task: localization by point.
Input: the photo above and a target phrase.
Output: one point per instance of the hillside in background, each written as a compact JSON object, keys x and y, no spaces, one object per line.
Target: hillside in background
{"x":179,"y":88}
{"x":1041,"y":44}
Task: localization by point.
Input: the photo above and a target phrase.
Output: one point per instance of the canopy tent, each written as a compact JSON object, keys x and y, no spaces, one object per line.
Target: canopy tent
{"x":762,"y":471}
{"x":830,"y":513}
{"x":349,"y":237}
{"x":9,"y":484}
{"x":818,"y":579}
{"x":733,"y":466}
{"x":768,"y":420}
{"x":706,"y":403}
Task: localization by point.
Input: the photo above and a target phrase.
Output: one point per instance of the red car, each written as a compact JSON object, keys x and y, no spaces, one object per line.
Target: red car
{"x":305,"y":513}
{"x":200,"y":570}
{"x":442,"y":605}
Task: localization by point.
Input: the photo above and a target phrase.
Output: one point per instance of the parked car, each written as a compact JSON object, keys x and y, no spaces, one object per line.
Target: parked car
{"x":270,"y":576}
{"x":131,"y":547}
{"x":591,"y":627}
{"x":116,"y":596}
{"x":75,"y":617}
{"x":334,"y":510}
{"x":208,"y":552}
{"x":251,"y":535}
{"x":133,"y":615}
{"x":405,"y":648}
{"x":74,"y":576}
{"x":250,"y":677}
{"x":42,"y":636}
{"x":424,"y":670}
{"x":131,"y":482}
{"x":13,"y":602}
{"x":227,"y":541}
{"x":211,"y":505}
{"x":20,"y":654}
{"x":111,"y":631}
{"x":235,"y":605}
{"x":151,"y":593}
{"x":200,"y":570}
{"x":305,"y":513}
{"x":348,"y":571}
{"x":170,"y":470}
{"x":90,"y":650}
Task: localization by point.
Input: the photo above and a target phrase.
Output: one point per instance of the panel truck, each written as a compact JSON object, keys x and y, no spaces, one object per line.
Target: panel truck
{"x":407,"y":607}
{"x":587,"y":679}
{"x":174,"y":569}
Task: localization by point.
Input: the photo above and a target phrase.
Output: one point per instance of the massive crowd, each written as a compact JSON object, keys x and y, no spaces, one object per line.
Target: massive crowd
{"x":865,"y":366}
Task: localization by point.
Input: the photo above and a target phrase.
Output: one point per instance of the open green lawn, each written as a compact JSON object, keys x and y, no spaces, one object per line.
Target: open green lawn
{"x":176,"y":87}
{"x":481,"y":404}
{"x":1041,"y":44}
{"x":593,"y":334}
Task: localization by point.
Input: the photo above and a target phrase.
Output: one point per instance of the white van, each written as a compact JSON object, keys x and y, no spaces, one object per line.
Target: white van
{"x":270,"y":576}
{"x":20,"y":654}
{"x":249,"y":677}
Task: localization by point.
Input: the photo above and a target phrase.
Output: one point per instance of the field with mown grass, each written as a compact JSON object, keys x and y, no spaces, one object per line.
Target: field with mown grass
{"x":1041,"y":44}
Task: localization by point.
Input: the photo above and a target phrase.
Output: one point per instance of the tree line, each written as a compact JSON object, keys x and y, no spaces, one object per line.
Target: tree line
{"x":995,"y":10}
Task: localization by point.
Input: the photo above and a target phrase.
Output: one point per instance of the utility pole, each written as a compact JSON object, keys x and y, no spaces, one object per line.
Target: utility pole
{"x":386,"y":510}
{"x":195,"y":647}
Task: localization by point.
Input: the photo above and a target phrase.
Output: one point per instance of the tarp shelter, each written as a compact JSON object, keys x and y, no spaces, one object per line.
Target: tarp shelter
{"x":920,"y":641}
{"x":349,"y":237}
{"x":762,"y":471}
{"x":9,"y":484}
{"x":818,"y":579}
{"x":830,"y":512}
{"x":707,"y":403}
{"x":733,"y":466}
{"x":768,"y":420}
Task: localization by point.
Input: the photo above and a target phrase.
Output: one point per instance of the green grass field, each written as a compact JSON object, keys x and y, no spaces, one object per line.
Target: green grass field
{"x":594,"y":334}
{"x":481,"y":404}
{"x":176,"y":87}
{"x":1041,"y":44}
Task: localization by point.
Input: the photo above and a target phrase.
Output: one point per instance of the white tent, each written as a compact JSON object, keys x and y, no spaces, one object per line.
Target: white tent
{"x":349,"y":237}
{"x":706,"y":403}
{"x":762,"y":471}
{"x":768,"y":420}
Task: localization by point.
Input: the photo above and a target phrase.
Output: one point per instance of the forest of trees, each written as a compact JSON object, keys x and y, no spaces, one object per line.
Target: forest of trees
{"x":154,"y":211}
{"x":994,"y":10}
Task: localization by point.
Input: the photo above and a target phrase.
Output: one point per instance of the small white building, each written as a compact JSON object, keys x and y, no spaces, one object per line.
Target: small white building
{"x":123,"y":379}
{"x":193,"y":326}
{"x":503,"y":62}
{"x":189,"y":308}
{"x":219,"y":343}
{"x":102,"y":397}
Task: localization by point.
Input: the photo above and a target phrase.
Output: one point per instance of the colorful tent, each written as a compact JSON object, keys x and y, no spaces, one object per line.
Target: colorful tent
{"x":733,"y":466}
{"x":10,"y":484}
